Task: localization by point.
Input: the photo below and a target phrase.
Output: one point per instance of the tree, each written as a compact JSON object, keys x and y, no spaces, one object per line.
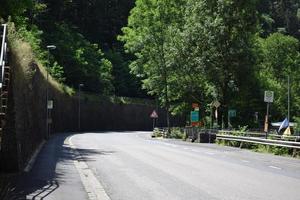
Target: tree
{"x":222,"y":35}
{"x":147,"y":36}
{"x":280,"y":58}
{"x":83,"y":62}
{"x":282,"y":16}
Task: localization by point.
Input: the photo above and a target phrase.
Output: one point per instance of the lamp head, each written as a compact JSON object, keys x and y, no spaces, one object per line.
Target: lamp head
{"x":50,"y":47}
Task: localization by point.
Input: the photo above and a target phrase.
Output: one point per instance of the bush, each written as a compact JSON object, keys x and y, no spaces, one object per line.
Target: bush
{"x":157,"y":133}
{"x":177,"y":133}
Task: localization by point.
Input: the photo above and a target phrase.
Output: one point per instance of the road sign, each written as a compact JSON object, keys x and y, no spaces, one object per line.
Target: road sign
{"x":216,"y":104}
{"x":154,"y":114}
{"x":232,"y":113}
{"x":195,"y":105}
{"x":194,"y":116}
{"x":269,"y":96}
{"x":50,"y":104}
{"x":196,"y":124}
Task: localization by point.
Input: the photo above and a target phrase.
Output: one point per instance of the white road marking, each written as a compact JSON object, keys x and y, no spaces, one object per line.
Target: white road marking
{"x":172,"y":145}
{"x":274,"y":167}
{"x":245,"y":161}
{"x":185,"y":148}
{"x":210,"y":153}
{"x":92,"y":186}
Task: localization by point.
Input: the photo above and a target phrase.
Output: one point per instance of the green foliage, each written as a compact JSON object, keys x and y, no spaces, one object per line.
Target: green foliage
{"x":147,"y":36}
{"x":157,"y":133}
{"x":15,"y":7}
{"x":174,"y":41}
{"x":83,"y":62}
{"x":183,"y":51}
{"x":125,"y":84}
{"x":57,"y":72}
{"x":177,"y":133}
{"x":297,"y":128}
{"x":258,"y":147}
{"x":282,"y":16}
{"x":273,"y":150}
{"x":32,"y":35}
{"x":280,"y":58}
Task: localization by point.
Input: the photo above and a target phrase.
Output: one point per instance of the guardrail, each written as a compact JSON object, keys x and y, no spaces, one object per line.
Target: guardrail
{"x":195,"y":134}
{"x":256,"y":140}
{"x":244,"y":133}
{"x":3,"y":53}
{"x":259,"y":134}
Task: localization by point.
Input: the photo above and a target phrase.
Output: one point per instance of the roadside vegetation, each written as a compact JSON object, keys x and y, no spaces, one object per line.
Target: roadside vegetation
{"x":230,"y":51}
{"x":283,"y":151}
{"x":175,"y":133}
{"x":178,"y":52}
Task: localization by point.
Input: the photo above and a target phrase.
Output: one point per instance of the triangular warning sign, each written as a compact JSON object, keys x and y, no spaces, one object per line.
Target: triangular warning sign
{"x":154,"y":114}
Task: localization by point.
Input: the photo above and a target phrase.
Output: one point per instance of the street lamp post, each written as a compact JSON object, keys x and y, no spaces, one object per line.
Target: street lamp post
{"x":79,"y":106}
{"x":49,"y":47}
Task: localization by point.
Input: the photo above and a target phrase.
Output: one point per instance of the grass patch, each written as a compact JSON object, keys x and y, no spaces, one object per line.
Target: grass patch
{"x":25,"y":57}
{"x":176,"y":133}
{"x":282,"y":151}
{"x":157,"y":133}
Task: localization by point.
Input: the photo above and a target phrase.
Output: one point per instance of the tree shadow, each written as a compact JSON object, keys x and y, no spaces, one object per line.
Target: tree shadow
{"x":51,"y":169}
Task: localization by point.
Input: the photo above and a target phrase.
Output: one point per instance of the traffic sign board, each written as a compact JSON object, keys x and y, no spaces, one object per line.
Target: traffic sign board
{"x":269,"y":96}
{"x":50,"y":104}
{"x":195,"y":105}
{"x":232,"y":113}
{"x":194,"y":116}
{"x":216,"y":104}
{"x":154,"y":114}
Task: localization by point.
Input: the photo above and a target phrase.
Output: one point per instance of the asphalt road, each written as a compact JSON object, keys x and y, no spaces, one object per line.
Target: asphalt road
{"x":133,"y":166}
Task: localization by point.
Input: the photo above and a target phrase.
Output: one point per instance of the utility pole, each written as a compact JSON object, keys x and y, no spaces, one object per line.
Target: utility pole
{"x":289,"y":99}
{"x":49,"y":47}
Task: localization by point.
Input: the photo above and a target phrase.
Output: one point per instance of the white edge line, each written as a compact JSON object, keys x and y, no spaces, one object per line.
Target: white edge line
{"x":274,"y":167}
{"x":92,"y":186}
{"x":33,"y":157}
{"x":245,"y":161}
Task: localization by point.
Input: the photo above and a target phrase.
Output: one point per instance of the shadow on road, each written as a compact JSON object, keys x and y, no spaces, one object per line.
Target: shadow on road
{"x":52,"y":169}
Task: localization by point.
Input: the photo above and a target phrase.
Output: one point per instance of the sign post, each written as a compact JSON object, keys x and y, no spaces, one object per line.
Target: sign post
{"x":268,"y":98}
{"x":215,"y":104}
{"x":49,"y":119}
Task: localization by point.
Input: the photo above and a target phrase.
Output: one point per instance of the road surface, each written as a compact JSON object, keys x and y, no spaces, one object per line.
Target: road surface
{"x":133,"y":166}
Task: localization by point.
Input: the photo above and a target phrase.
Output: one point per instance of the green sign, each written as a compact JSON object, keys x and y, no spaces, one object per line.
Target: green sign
{"x":232,"y":113}
{"x":194,"y":116}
